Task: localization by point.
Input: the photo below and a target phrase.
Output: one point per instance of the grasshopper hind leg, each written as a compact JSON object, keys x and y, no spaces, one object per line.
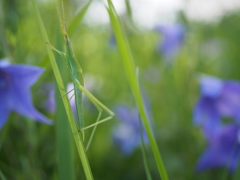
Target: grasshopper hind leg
{"x":93,"y":131}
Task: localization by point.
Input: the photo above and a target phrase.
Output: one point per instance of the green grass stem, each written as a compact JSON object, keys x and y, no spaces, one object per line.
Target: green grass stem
{"x":144,"y":153}
{"x":130,"y":73}
{"x":78,"y":18}
{"x":64,"y":141}
{"x":72,"y":122}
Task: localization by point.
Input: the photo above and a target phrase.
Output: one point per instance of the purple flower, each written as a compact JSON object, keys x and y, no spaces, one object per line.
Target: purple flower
{"x":15,"y":95}
{"x":172,"y":39}
{"x":218,"y":99}
{"x":112,"y":41}
{"x":127,"y":134}
{"x":223,"y":149}
{"x":50,"y":104}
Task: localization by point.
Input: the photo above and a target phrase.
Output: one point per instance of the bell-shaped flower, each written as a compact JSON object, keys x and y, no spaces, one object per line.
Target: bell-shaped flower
{"x":15,"y":94}
{"x":172,"y":39}
{"x":219,"y":99}
{"x":127,"y":134}
{"x":223,"y":148}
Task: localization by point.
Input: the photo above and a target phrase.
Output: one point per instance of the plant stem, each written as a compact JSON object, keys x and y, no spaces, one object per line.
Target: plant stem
{"x":76,"y":135}
{"x":130,"y":73}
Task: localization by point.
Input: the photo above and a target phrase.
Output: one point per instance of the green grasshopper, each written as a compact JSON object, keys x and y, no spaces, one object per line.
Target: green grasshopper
{"x":78,"y":82}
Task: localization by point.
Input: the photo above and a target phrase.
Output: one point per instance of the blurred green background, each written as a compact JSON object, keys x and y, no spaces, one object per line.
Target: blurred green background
{"x":28,"y":149}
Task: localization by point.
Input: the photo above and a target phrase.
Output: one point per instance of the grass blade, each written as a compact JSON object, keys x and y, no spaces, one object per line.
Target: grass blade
{"x":78,"y":18}
{"x":70,"y":29}
{"x":64,"y":143}
{"x":65,"y":163}
{"x":130,"y":73}
{"x":143,"y":147}
{"x":76,"y":135}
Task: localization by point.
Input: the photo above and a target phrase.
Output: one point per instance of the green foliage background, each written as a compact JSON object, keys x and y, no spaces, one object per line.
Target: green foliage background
{"x":28,"y":149}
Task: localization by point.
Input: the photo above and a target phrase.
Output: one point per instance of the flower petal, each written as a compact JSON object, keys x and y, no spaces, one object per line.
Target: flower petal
{"x":211,"y":86}
{"x":228,"y":103}
{"x":124,"y":136}
{"x":21,"y":102}
{"x":4,"y":63}
{"x":173,"y":36}
{"x":212,"y":158}
{"x":223,"y":149}
{"x":206,"y":115}
{"x":126,"y":115}
{"x":127,"y":134}
{"x":4,"y":96}
{"x":27,"y":74}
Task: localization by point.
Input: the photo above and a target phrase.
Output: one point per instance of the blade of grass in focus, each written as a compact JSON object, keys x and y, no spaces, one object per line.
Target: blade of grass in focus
{"x":64,"y":143}
{"x":73,"y":24}
{"x":130,"y":73}
{"x":76,"y":135}
{"x":65,"y":157}
{"x":143,"y":147}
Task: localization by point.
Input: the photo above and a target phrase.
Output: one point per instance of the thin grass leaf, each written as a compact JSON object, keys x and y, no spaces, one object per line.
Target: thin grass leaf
{"x":129,"y":9}
{"x":78,"y":18}
{"x":70,"y":29}
{"x":64,"y":143}
{"x":143,"y":147}
{"x":76,"y":135}
{"x":65,"y":157}
{"x":130,"y":73}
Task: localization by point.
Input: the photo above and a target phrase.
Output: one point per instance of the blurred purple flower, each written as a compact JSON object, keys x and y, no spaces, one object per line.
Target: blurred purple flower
{"x":15,"y":95}
{"x":112,"y":41}
{"x":50,"y":104}
{"x":218,"y":99}
{"x":223,"y":149}
{"x":172,"y":39}
{"x":127,"y":134}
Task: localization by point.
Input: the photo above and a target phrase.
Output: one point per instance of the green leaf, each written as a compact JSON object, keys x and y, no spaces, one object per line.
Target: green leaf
{"x":76,"y":134}
{"x":64,"y":141}
{"x":78,"y":18}
{"x":130,"y":73}
{"x":143,"y":147}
